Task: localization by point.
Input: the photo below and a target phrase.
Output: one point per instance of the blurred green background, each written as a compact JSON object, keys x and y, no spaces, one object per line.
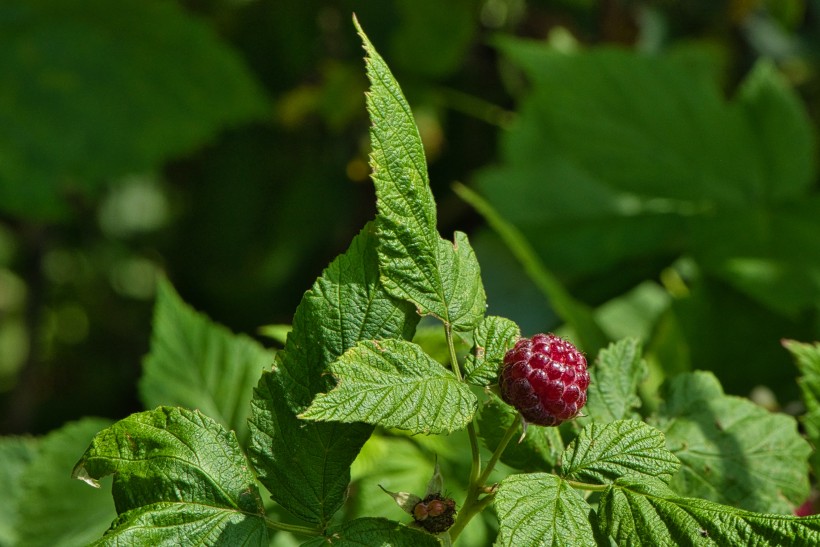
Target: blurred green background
{"x":658,"y":157}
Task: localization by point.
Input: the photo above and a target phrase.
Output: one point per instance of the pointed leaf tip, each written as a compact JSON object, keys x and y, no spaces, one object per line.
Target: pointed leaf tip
{"x":439,"y":277}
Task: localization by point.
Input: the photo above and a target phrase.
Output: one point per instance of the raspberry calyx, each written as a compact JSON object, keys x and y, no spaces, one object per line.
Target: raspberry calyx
{"x":545,"y":378}
{"x":435,"y":513}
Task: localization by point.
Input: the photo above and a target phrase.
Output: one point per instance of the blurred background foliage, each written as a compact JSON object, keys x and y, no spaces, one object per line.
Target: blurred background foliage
{"x":658,"y":158}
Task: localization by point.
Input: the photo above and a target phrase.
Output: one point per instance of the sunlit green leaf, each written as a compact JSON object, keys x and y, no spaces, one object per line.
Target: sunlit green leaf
{"x":306,"y":465}
{"x":731,"y":450}
{"x":649,"y":513}
{"x":170,"y":524}
{"x":493,"y":337}
{"x":603,"y":453}
{"x":441,"y":278}
{"x":539,"y":509}
{"x":393,"y":383}
{"x":614,"y":379}
{"x":177,"y":475}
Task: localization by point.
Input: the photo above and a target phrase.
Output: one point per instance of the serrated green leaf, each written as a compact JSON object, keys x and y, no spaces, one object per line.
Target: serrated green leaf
{"x":375,"y":532}
{"x":393,"y":383}
{"x":614,"y":380}
{"x":493,"y":337}
{"x":16,"y":453}
{"x":198,"y":364}
{"x":807,"y":357}
{"x":173,"y":524}
{"x":539,"y":509}
{"x":54,"y":510}
{"x":166,"y":82}
{"x":602,"y":453}
{"x":540,"y":449}
{"x":731,"y":450}
{"x":345,"y":305}
{"x":649,"y":513}
{"x":306,"y":465}
{"x":441,"y":278}
{"x":183,"y":461}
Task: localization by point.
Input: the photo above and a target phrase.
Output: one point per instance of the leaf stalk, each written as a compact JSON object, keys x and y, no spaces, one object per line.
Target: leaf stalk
{"x":475,"y":465}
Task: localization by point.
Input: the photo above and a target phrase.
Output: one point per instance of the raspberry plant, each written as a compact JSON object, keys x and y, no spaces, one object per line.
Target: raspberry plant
{"x":701,"y":468}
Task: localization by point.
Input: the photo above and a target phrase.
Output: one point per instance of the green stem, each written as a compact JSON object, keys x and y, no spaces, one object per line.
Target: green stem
{"x":292,"y":528}
{"x":508,"y":435}
{"x":471,"y":508}
{"x":475,"y":466}
{"x":473,"y":505}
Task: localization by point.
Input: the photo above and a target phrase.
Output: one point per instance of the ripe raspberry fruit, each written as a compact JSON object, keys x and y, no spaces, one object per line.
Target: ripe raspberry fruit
{"x":545,"y":378}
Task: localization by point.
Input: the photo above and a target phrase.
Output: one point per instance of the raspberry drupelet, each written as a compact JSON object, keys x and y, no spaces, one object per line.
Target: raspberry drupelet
{"x":545,"y":378}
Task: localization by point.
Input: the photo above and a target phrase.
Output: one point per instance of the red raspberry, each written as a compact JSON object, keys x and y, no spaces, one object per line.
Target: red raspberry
{"x":545,"y":378}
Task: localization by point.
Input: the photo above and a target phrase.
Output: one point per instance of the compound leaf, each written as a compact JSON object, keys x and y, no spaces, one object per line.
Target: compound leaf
{"x":541,"y":509}
{"x":614,"y":379}
{"x":493,"y":337}
{"x":375,"y":532}
{"x":649,"y":513}
{"x":393,"y":383}
{"x":198,"y":364}
{"x":731,"y":450}
{"x":178,"y":475}
{"x":306,"y":465}
{"x":603,"y":453}
{"x":439,"y":277}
